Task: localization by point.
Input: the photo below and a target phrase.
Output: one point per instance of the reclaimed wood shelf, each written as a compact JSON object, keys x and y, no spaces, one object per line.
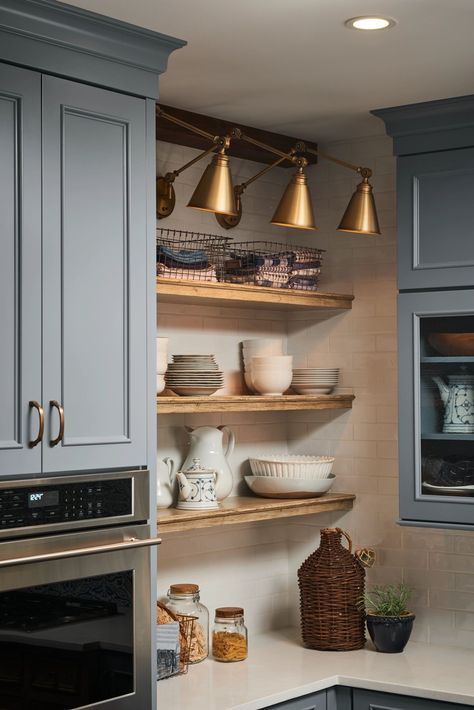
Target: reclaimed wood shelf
{"x":247,"y":509}
{"x":252,"y":403}
{"x":238,"y":294}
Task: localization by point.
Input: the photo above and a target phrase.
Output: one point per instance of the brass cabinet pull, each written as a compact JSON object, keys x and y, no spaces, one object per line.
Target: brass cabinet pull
{"x":36,"y":405}
{"x":55,"y":404}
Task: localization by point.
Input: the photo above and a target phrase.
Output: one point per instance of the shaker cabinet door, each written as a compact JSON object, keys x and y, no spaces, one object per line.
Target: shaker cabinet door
{"x":436,"y":407}
{"x":372,"y":700}
{"x":20,"y":270}
{"x":434,"y":197}
{"x":94,"y":257}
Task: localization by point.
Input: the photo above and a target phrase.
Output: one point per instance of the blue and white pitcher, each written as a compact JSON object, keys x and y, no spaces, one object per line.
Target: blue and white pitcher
{"x":458,"y":399}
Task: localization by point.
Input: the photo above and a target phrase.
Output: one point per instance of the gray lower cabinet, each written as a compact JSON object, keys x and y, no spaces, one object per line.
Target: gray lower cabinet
{"x":313,"y":701}
{"x":436,"y":409}
{"x":20,"y":269}
{"x":372,"y":700}
{"x":73,"y":271}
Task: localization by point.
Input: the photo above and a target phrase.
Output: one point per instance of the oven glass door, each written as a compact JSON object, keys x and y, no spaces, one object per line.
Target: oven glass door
{"x":73,"y":631}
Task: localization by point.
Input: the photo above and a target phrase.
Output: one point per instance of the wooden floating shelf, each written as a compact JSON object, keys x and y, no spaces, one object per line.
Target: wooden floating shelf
{"x":444,"y":436}
{"x":238,"y":294}
{"x":248,"y":509}
{"x":447,"y":360}
{"x":252,"y":403}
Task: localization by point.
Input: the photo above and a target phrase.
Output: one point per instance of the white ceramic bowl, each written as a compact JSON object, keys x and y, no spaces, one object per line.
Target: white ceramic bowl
{"x":270,"y":487}
{"x":160,"y":384}
{"x":292,"y":466}
{"x":271,"y":344}
{"x":271,"y":382}
{"x":162,"y":345}
{"x":272,"y":361}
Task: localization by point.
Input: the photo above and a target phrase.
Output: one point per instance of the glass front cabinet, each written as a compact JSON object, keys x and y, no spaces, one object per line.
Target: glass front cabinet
{"x":436,"y":401}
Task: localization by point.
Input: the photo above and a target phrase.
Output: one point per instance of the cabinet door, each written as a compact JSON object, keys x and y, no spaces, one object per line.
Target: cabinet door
{"x":436,"y":406}
{"x":435,"y":244}
{"x":371,"y":700}
{"x":94,"y":256}
{"x":20,"y":269}
{"x":314,"y":701}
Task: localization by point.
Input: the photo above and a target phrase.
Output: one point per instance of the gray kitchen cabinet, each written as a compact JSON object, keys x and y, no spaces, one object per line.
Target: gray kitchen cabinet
{"x":434,"y":198}
{"x":77,"y":246}
{"x":20,"y":269}
{"x":313,"y":701}
{"x":434,"y":145}
{"x":430,"y":457}
{"x":94,"y":291}
{"x":373,"y":700}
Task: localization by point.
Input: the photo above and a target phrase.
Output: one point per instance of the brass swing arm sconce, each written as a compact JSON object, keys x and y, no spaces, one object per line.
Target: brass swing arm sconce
{"x":215,"y":192}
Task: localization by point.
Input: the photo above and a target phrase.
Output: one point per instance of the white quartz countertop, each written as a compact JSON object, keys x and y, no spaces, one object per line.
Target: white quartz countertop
{"x":278,"y":668}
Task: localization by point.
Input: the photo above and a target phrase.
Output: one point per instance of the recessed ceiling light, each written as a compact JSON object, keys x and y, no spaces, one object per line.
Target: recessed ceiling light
{"x":369,"y":22}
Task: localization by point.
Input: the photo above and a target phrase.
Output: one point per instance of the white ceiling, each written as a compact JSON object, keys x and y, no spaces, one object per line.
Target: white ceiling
{"x":292,"y":66}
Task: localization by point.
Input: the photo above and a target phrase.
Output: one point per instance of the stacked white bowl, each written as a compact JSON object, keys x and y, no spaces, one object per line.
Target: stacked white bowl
{"x":161,"y":363}
{"x":315,"y":380}
{"x":290,"y":476}
{"x":258,"y":347}
{"x":272,"y":374}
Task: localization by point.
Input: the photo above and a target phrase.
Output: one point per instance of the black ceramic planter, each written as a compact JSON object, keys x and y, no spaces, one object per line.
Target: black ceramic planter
{"x":390,"y":634}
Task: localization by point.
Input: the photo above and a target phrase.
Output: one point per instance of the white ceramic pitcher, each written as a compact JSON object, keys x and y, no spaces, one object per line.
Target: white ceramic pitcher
{"x":206,"y":444}
{"x":165,"y":483}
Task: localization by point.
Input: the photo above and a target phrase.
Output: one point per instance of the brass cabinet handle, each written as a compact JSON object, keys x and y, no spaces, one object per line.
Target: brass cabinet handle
{"x":36,"y":405}
{"x":55,"y":404}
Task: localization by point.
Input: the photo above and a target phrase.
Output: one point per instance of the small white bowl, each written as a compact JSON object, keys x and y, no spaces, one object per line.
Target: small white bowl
{"x":292,"y":466}
{"x":161,"y":345}
{"x":271,"y":382}
{"x":269,"y":487}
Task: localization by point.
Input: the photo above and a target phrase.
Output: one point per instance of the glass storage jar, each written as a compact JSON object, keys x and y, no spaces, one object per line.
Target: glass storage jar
{"x":184,"y":599}
{"x":229,"y":635}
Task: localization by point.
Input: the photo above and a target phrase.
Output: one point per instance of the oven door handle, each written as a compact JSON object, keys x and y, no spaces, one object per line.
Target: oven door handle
{"x":132,"y":543}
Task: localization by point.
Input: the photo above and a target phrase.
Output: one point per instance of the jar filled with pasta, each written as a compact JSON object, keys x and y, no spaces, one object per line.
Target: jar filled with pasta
{"x":184,"y":599}
{"x":229,"y":635}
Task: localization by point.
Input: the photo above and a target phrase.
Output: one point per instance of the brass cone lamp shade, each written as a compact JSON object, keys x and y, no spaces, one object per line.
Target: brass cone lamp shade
{"x":214,"y":191}
{"x":360,"y":216}
{"x":295,"y":208}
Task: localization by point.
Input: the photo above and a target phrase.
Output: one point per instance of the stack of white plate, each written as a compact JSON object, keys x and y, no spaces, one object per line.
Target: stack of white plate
{"x":315,"y":380}
{"x":194,"y":375}
{"x":258,"y":347}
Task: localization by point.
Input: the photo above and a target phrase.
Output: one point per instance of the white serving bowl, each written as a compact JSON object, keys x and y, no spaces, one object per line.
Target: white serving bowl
{"x":162,"y":345}
{"x":248,"y":381}
{"x":292,"y":466}
{"x":272,"y":345}
{"x":271,"y":382}
{"x":270,"y":487}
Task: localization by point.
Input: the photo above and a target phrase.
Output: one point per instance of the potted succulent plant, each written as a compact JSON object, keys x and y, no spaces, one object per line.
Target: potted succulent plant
{"x":388,"y":620}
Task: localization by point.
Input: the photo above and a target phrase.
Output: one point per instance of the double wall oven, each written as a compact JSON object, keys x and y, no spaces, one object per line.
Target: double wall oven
{"x":75,"y":597}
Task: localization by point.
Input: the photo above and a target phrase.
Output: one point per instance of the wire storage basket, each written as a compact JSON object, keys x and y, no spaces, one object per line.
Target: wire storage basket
{"x":174,"y":642}
{"x":185,"y":255}
{"x":272,"y":264}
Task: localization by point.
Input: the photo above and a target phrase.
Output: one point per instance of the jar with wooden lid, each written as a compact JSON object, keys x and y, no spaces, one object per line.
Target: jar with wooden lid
{"x":229,"y":635}
{"x":184,"y":599}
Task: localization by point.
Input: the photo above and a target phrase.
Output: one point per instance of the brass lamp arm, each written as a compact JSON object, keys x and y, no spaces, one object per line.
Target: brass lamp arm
{"x":244,"y":185}
{"x":173,"y":174}
{"x":365,"y":172}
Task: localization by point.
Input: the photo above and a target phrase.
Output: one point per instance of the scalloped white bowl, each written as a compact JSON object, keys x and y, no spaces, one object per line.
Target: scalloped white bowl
{"x":269,"y":487}
{"x":292,"y":466}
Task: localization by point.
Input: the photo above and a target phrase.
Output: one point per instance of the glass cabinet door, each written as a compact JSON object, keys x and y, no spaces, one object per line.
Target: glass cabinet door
{"x":436,"y":418}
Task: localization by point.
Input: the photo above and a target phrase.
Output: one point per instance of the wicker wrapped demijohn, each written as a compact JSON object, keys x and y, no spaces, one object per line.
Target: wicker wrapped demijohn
{"x":331,"y":582}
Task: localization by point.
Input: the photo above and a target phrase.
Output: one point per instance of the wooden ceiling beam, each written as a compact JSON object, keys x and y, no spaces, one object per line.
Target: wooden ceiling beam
{"x":170,"y":133}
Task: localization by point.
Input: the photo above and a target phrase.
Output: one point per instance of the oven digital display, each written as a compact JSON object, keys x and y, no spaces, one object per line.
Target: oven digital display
{"x":42,"y":499}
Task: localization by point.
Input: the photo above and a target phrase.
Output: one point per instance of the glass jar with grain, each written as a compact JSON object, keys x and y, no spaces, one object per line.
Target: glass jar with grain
{"x":229,"y":635}
{"x":184,"y":599}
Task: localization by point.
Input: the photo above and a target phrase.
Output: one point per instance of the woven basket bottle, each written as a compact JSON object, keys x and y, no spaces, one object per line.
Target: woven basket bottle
{"x":331,"y":582}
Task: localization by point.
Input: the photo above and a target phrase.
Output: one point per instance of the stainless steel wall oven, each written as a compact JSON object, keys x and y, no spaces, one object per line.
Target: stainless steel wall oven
{"x":75,"y":613}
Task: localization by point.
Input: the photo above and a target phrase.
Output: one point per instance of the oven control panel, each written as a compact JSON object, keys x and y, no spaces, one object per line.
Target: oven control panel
{"x":66,"y":502}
